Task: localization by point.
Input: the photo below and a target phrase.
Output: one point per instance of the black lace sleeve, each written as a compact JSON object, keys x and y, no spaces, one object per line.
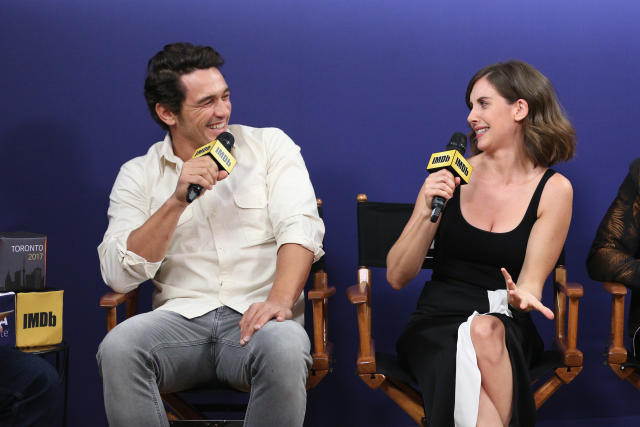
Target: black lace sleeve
{"x":614,"y":253}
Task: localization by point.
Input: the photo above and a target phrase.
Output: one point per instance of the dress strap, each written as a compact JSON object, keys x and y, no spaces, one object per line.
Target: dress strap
{"x":535,"y":200}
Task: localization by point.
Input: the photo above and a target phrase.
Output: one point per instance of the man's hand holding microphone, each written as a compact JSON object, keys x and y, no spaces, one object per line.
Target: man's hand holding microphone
{"x":210,"y":163}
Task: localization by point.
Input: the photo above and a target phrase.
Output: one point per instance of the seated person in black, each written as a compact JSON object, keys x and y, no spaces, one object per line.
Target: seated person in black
{"x":498,"y":239}
{"x":616,"y":248}
{"x":31,"y":393}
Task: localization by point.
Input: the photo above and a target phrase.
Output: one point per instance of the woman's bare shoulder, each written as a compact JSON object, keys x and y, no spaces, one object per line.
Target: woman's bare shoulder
{"x":557,"y":190}
{"x":560,"y":183}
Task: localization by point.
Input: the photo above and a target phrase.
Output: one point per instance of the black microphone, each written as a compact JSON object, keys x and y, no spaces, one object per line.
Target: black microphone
{"x":453,"y":160}
{"x":220,"y":151}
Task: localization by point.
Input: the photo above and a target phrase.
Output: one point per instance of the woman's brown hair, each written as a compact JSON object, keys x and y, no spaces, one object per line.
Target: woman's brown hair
{"x":549,"y":137}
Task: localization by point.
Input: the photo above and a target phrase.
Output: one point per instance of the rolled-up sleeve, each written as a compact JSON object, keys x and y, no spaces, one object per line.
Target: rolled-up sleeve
{"x":292,"y":202}
{"x":121,"y":269}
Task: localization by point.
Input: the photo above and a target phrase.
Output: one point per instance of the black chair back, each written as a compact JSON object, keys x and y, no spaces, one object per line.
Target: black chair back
{"x":379,"y":226}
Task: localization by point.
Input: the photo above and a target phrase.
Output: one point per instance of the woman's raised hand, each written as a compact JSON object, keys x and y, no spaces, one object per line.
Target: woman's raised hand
{"x":521,"y":299}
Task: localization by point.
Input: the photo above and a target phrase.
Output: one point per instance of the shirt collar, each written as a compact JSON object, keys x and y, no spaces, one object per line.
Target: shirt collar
{"x":167,"y":156}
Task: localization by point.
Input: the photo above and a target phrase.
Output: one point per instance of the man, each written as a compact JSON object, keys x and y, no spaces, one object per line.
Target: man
{"x":229,"y":268}
{"x":615,"y":252}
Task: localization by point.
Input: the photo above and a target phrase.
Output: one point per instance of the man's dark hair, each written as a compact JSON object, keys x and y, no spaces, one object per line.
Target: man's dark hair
{"x":164,"y":69}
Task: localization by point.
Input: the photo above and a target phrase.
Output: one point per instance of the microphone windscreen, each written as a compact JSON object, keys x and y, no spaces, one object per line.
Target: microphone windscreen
{"x":226,"y":139}
{"x":458,"y":142}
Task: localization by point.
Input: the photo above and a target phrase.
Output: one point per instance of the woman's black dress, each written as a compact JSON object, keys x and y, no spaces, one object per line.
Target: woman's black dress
{"x":468,"y":266}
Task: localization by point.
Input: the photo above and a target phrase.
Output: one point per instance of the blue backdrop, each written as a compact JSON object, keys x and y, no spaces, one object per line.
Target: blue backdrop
{"x":367,"y":88}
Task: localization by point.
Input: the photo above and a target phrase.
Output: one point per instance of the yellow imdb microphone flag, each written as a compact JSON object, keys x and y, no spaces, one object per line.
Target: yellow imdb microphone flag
{"x":220,"y":154}
{"x":220,"y":151}
{"x":452,"y":160}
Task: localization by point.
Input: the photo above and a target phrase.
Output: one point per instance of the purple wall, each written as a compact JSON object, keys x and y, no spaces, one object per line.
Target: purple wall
{"x":367,"y":88}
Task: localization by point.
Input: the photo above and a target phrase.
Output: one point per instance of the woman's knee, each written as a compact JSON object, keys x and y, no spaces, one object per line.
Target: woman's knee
{"x":487,"y":334}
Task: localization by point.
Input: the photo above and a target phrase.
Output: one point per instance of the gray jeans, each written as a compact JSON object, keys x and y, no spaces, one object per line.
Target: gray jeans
{"x":162,"y":352}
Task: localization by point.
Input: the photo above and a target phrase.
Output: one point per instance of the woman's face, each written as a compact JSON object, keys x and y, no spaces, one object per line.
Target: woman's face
{"x":494,"y":121}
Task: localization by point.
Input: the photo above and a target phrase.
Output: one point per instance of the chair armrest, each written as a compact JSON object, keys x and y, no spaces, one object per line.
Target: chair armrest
{"x":114,"y":299}
{"x":572,"y":289}
{"x":321,"y":344}
{"x":567,"y":320}
{"x":111,"y":301}
{"x":615,"y":288}
{"x":616,"y":352}
{"x":322,"y":347}
{"x":320,"y":294}
{"x":357,"y":294}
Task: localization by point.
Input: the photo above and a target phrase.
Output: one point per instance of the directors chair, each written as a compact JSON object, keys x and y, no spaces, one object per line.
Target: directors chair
{"x":379,"y":226}
{"x":182,"y":412}
{"x":621,"y":362}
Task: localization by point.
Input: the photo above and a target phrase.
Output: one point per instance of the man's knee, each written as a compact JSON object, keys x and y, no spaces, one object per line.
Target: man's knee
{"x":122,"y":343}
{"x":283,"y":346}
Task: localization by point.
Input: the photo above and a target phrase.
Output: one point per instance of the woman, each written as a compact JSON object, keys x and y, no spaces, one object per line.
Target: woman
{"x":497,"y":240}
{"x":615,"y":252}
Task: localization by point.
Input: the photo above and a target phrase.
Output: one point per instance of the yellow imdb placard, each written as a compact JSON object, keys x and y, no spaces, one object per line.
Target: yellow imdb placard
{"x":38,"y":318}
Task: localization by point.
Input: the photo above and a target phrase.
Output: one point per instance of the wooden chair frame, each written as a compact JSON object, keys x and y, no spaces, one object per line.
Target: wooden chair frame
{"x":566,"y":299}
{"x":617,"y":356}
{"x":178,"y":408}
